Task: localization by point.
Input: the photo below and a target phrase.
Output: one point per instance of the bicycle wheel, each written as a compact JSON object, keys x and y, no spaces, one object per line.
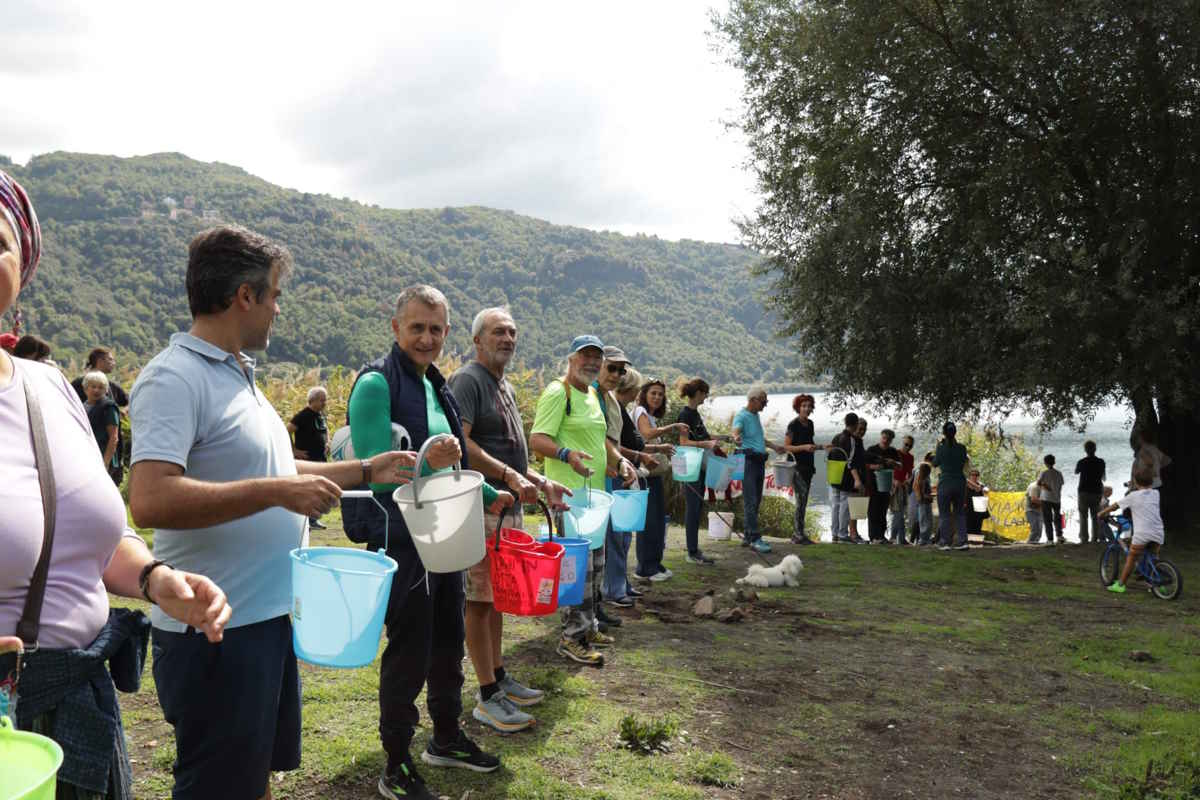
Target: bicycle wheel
{"x":1110,"y":566}
{"x":1171,"y":584}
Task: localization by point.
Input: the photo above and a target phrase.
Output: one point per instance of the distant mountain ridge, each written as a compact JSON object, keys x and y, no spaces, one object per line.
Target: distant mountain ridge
{"x":116,"y":232}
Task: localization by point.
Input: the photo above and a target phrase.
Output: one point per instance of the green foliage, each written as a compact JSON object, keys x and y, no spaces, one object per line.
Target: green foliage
{"x":714,"y":769}
{"x":1172,"y":780}
{"x":648,"y":736}
{"x":1004,"y":462}
{"x":112,"y":275}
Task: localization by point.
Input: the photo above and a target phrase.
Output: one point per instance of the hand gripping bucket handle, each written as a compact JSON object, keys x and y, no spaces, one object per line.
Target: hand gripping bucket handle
{"x":418,"y":479}
{"x":525,"y":582}
{"x":508,"y":510}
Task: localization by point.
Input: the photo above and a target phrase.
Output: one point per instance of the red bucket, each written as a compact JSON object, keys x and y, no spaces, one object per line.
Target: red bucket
{"x":524,"y":575}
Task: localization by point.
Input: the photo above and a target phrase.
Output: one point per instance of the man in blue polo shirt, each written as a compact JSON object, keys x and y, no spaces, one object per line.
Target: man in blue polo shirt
{"x":748,"y":434}
{"x":213,"y":473}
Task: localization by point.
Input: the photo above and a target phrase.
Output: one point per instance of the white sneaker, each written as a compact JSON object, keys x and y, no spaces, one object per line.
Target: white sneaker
{"x":659,"y":577}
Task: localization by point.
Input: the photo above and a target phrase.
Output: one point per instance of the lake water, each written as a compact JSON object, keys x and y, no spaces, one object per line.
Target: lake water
{"x":1109,"y":430}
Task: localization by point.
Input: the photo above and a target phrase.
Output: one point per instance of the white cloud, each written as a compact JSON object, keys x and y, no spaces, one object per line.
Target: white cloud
{"x":605,"y":116}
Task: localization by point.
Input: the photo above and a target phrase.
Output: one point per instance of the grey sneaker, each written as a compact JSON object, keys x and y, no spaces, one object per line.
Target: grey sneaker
{"x":521,"y":695}
{"x":500,"y":713}
{"x":659,"y":577}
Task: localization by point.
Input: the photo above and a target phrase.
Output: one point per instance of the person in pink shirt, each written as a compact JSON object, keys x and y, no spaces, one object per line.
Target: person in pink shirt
{"x":92,"y":552}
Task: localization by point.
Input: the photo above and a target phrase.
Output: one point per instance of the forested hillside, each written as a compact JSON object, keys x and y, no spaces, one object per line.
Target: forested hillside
{"x":116,"y":233}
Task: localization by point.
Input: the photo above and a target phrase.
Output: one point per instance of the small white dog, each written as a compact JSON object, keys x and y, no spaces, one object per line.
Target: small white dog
{"x":785,"y":573}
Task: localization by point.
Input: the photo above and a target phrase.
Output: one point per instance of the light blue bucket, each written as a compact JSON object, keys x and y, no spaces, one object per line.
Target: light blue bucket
{"x":573,"y":578}
{"x":718,"y":474}
{"x":738,"y":460}
{"x":339,"y":599}
{"x":587,"y":516}
{"x":629,"y":510}
{"x":686,"y":463}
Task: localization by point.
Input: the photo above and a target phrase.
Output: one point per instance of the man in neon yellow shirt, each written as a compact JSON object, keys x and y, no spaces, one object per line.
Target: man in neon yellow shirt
{"x":569,"y":431}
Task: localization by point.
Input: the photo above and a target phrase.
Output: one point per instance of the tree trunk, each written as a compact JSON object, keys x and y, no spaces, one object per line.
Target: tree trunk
{"x":1179,"y":438}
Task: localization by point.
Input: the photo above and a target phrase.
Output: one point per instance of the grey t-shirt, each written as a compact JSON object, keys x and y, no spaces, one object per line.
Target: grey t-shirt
{"x":490,"y":408}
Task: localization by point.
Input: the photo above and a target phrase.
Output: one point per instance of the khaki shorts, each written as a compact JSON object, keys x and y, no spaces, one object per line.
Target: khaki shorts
{"x":479,"y":577}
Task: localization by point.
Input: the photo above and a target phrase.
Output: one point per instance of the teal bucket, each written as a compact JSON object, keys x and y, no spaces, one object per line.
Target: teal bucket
{"x":719,"y":473}
{"x":339,"y":598}
{"x":629,"y":510}
{"x":739,"y":466}
{"x":28,"y":764}
{"x":572,"y":577}
{"x":686,"y":463}
{"x":587,"y":516}
{"x":883,"y":480}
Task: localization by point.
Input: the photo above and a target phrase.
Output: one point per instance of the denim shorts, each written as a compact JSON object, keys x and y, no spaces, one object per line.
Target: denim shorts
{"x":235,"y":707}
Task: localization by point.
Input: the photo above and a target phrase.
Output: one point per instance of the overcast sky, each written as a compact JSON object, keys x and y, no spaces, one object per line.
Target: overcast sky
{"x":605,"y":115}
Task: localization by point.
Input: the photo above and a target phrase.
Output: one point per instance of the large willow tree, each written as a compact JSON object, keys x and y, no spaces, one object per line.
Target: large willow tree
{"x":985,"y":205}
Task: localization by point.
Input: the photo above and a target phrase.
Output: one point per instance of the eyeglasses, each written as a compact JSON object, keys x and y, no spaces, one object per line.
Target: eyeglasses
{"x":617,"y":369}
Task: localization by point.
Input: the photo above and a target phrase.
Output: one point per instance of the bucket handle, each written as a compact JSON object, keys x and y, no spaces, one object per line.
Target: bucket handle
{"x":508,"y":509}
{"x":367,"y":494}
{"x":418,"y":479}
{"x":830,"y":450}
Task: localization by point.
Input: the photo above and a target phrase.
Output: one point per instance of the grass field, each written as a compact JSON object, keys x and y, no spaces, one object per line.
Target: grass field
{"x":1002,"y":672}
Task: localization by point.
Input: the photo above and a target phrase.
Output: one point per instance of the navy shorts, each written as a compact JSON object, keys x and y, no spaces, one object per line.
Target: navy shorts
{"x":235,"y":707}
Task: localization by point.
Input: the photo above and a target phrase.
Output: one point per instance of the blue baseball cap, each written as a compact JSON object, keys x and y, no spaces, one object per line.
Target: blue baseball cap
{"x":580,"y":342}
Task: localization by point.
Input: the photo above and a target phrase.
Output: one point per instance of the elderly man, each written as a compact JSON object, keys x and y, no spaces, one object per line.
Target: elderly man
{"x":495,"y":440}
{"x":569,"y":430}
{"x":213,"y":473}
{"x":404,"y":390}
{"x":311,"y":434}
{"x":748,"y":435}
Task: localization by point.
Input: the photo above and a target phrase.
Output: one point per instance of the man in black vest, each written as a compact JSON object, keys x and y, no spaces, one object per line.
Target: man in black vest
{"x":425,"y":610}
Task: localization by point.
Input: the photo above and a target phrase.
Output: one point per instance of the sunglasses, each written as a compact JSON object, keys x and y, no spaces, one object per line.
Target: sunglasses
{"x":618,"y":369}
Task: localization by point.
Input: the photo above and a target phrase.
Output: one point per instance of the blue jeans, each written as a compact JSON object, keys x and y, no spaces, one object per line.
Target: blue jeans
{"x":839,"y":499}
{"x":925,"y":521}
{"x":952,"y":509}
{"x":752,"y":492}
{"x":897,"y":524}
{"x":616,"y":558}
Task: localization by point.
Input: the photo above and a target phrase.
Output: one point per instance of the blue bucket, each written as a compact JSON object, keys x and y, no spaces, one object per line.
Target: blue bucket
{"x":629,"y":510}
{"x":719,"y":473}
{"x":339,"y":599}
{"x":686,"y":463}
{"x":572,"y":580}
{"x":587,"y":517}
{"x":738,"y":460}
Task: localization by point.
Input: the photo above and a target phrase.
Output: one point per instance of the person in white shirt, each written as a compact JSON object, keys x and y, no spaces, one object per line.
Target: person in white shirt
{"x":1147,"y":522}
{"x":1033,"y":512}
{"x":1051,"y":481}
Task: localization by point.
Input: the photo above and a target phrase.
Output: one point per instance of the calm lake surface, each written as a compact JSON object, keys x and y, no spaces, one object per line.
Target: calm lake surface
{"x":1109,"y":430}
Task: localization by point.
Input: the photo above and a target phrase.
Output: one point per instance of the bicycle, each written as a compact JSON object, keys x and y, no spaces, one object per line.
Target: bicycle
{"x":1163,"y":577}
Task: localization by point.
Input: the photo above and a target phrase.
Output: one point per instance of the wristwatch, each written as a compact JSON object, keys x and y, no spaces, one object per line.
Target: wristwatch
{"x":366,"y":470}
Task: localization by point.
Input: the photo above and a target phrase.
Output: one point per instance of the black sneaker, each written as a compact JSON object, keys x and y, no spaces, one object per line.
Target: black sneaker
{"x":460,"y":753}
{"x":404,"y":784}
{"x":607,"y":619}
{"x":699,"y":558}
{"x":634,"y":592}
{"x":622,"y":602}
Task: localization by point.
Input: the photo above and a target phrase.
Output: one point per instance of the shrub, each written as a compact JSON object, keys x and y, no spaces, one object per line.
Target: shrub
{"x":714,"y":769}
{"x":648,"y":736}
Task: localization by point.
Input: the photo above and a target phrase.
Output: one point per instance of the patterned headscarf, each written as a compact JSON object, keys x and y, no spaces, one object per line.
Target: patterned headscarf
{"x":19,"y":213}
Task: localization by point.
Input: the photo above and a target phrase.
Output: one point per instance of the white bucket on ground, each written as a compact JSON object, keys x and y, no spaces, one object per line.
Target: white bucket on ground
{"x":718,"y":531}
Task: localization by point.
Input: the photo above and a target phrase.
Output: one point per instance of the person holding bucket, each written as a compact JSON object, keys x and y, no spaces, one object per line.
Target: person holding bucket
{"x":647,"y":414}
{"x":748,"y":435}
{"x":882,"y":461}
{"x":799,"y":442}
{"x":214,"y":473}
{"x":851,"y":481}
{"x":695,"y":392}
{"x":616,"y":587}
{"x":570,"y":432}
{"x":405,"y":391}
{"x":496,"y":446}
{"x":63,"y":650}
{"x":976,"y":511}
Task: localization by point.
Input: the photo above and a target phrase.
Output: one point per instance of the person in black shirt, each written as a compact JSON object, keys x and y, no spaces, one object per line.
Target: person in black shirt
{"x":695,"y":392}
{"x":1091,"y":493}
{"x":880,"y":456}
{"x":852,"y":479}
{"x":310,"y":433}
{"x":101,"y":359}
{"x":799,"y":442}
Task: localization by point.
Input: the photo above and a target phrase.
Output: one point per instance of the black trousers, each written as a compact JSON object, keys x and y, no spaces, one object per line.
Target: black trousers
{"x":425,"y":633}
{"x":877,"y":508}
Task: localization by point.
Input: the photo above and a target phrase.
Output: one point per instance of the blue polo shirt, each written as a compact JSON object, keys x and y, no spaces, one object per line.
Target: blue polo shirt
{"x":194,"y":405}
{"x":752,"y":431}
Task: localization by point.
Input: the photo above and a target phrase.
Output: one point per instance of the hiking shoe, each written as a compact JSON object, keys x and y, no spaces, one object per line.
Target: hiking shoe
{"x":606,"y":618}
{"x":501,"y":713}
{"x":519,"y":694}
{"x":598,"y":639}
{"x":699,"y":558}
{"x":659,"y":577}
{"x":580,"y":653}
{"x":622,"y":602}
{"x":801,"y":540}
{"x":1117,"y":587}
{"x":404,"y":784}
{"x":462,"y":752}
{"x":317,"y":525}
{"x":759,"y":546}
{"x":745,"y":542}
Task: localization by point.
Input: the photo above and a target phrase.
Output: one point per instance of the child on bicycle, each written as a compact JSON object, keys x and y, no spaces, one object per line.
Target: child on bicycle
{"x":1142,"y":502}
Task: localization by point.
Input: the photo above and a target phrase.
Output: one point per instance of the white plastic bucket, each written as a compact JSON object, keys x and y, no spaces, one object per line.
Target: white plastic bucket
{"x":718,"y":531}
{"x":858,"y":507}
{"x":979,"y":503}
{"x":784,"y":470}
{"x":444,"y":515}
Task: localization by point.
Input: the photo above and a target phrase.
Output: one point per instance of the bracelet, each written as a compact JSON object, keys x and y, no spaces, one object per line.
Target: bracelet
{"x":144,"y":578}
{"x":564,"y":455}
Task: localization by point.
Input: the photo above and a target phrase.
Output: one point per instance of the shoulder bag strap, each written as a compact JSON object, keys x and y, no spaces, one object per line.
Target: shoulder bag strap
{"x":27,"y":627}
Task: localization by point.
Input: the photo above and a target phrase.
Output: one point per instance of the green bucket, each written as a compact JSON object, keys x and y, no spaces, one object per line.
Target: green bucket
{"x":28,"y":764}
{"x":883,"y":480}
{"x":835,"y":469}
